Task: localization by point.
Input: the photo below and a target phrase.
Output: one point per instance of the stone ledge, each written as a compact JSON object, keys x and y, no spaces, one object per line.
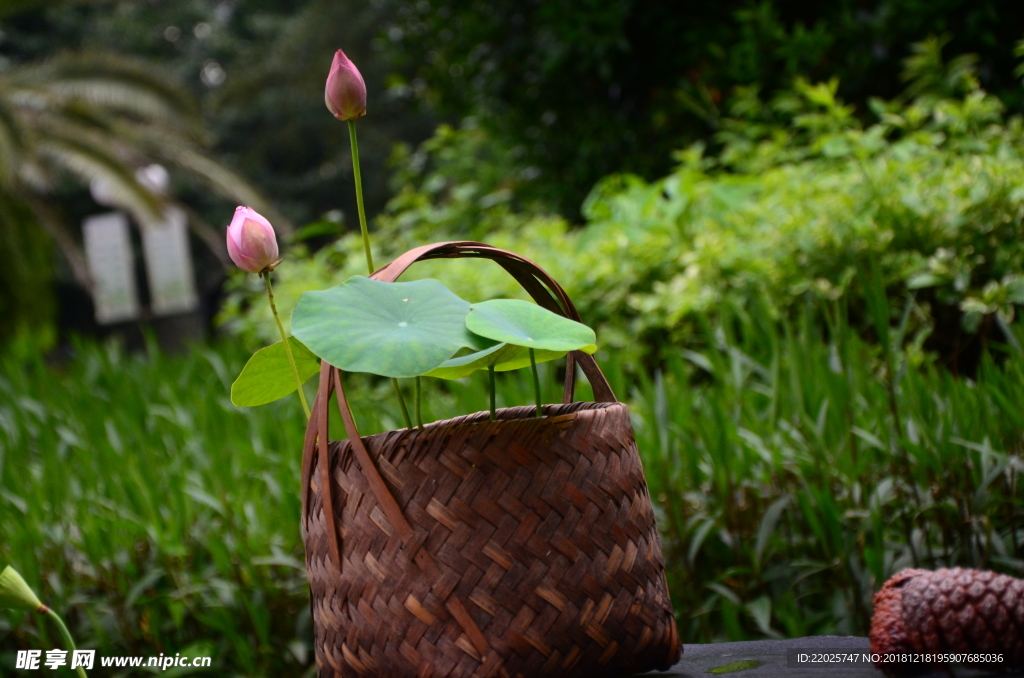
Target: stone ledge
{"x":770,"y":657}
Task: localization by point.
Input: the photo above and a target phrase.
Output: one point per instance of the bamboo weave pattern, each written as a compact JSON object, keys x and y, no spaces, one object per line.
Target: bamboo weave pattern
{"x":542,"y":528}
{"x":519,"y":547}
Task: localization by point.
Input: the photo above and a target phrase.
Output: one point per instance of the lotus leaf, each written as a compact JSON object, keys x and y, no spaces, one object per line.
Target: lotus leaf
{"x":390,"y":329}
{"x":503,"y":357}
{"x":522,"y":323}
{"x":268,"y":375}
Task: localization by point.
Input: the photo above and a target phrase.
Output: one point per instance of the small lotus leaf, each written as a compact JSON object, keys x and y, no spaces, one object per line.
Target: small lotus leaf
{"x":389,"y":329}
{"x":524,"y":324}
{"x":268,"y":375}
{"x":503,"y":357}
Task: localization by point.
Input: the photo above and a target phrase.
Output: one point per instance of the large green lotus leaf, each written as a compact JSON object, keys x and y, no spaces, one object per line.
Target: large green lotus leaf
{"x":268,"y":375}
{"x":524,"y":324}
{"x":390,"y":329}
{"x":503,"y":357}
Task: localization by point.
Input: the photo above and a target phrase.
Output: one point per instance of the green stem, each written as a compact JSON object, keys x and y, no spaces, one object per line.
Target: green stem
{"x":401,"y":401}
{"x":419,"y":415}
{"x":287,"y":346}
{"x":490,"y":374}
{"x":536,"y":382}
{"x":357,"y":176}
{"x":66,"y":635}
{"x":359,"y":193}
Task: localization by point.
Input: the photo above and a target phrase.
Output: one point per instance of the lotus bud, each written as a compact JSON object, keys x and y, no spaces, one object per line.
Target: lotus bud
{"x":346,"y":92}
{"x":252,"y":244}
{"x":16,"y":594}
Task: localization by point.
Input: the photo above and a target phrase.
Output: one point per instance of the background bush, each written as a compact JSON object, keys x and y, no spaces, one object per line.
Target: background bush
{"x":800,"y":200}
{"x":581,"y":90}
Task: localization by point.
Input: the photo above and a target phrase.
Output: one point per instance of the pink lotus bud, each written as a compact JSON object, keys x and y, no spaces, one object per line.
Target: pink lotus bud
{"x":346,"y":92}
{"x":252,"y":244}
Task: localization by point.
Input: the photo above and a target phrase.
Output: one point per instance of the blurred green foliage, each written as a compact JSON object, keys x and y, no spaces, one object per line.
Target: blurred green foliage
{"x":575,"y":90}
{"x":157,"y":516}
{"x":800,"y":199}
{"x":796,"y":475}
{"x":586,"y":89}
{"x":191,"y":540}
{"x":791,"y":475}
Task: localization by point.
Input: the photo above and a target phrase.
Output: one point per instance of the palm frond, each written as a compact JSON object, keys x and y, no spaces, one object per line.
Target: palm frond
{"x":114,"y":96}
{"x":142,"y":76}
{"x":224,"y":181}
{"x":32,"y":178}
{"x":99,"y":117}
{"x":91,"y":161}
{"x":106,"y":82}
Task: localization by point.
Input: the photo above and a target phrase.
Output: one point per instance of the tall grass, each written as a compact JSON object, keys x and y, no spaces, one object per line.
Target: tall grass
{"x":800,"y":473}
{"x":794,"y":469}
{"x":154,"y":512}
{"x":160,"y":517}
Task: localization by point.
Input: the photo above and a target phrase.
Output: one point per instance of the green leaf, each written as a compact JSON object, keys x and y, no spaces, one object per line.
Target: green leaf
{"x":268,"y":375}
{"x":389,"y":329}
{"x":503,"y":357}
{"x":524,"y":324}
{"x":768,"y":524}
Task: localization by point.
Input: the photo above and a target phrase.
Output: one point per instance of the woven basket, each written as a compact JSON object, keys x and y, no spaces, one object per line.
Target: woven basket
{"x":520,"y":547}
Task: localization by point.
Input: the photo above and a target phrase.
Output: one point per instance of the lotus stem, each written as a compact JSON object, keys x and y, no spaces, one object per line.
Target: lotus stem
{"x":66,"y":635}
{"x":419,"y":415}
{"x":490,"y":374}
{"x":536,"y":383}
{"x":287,"y":346}
{"x":358,"y":175}
{"x":401,"y":401}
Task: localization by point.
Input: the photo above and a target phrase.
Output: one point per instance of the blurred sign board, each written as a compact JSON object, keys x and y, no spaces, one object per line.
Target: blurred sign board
{"x":111,"y":259}
{"x":108,"y":251}
{"x":169,"y":265}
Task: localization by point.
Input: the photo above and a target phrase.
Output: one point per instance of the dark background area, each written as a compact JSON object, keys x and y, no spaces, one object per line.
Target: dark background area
{"x":588,"y":88}
{"x":576,"y":90}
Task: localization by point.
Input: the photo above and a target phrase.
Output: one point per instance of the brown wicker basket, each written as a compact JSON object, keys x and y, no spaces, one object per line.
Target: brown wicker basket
{"x":522,"y":547}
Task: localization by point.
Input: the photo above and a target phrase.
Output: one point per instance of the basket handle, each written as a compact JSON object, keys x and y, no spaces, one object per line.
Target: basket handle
{"x":547,"y":293}
{"x":534,"y":279}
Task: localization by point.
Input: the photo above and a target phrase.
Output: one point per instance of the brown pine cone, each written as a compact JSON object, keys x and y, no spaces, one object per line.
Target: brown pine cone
{"x":949,"y":610}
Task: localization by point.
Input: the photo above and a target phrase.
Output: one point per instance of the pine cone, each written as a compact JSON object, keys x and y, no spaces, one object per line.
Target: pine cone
{"x":949,"y":610}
